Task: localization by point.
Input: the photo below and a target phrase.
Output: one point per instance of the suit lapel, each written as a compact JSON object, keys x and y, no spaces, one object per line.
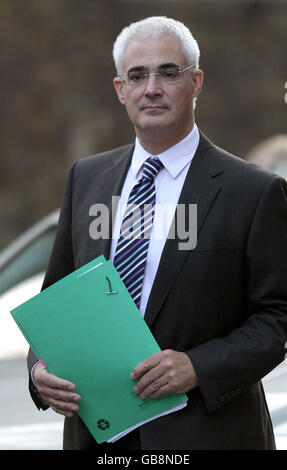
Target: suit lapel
{"x":201,"y":188}
{"x":110,"y":184}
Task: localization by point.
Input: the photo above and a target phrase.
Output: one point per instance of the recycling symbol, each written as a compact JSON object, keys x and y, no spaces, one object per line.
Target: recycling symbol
{"x":103,"y":424}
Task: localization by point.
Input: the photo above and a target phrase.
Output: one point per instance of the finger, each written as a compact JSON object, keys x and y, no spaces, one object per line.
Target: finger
{"x":164,"y":390}
{"x":148,"y":379}
{"x":51,"y":386}
{"x":61,"y":406}
{"x":64,"y":406}
{"x":145,"y":366}
{"x":62,"y":410}
{"x":52,"y":381}
{"x":154,"y":387}
{"x":49,"y":394}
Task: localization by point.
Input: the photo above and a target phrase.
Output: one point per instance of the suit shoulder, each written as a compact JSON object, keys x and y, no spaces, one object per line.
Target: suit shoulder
{"x":103,"y":158}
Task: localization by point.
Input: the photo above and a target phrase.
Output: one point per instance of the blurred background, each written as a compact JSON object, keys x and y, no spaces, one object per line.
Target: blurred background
{"x":58,"y":104}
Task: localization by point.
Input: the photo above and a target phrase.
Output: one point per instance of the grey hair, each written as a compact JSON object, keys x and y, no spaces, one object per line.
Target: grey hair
{"x":155,"y":26}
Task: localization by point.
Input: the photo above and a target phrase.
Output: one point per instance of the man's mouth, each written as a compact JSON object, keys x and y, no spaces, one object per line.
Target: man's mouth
{"x":153,"y":107}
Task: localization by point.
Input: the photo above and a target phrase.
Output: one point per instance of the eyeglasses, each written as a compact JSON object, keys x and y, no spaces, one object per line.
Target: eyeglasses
{"x":166,"y":75}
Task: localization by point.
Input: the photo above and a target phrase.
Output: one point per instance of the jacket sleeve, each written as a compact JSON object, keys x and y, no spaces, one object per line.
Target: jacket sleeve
{"x":228,"y":365}
{"x":61,"y":263}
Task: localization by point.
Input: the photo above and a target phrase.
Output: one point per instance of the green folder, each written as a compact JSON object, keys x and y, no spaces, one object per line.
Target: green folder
{"x":87,"y":329}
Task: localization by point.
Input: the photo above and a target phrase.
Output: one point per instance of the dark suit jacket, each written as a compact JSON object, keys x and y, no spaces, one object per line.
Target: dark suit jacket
{"x":224,"y":303}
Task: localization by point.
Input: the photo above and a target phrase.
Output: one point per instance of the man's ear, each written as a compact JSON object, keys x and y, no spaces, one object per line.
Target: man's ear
{"x":118,"y":84}
{"x":198,"y":77}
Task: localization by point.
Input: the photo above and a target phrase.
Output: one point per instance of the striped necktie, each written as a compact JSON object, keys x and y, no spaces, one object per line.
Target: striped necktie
{"x":131,"y":252}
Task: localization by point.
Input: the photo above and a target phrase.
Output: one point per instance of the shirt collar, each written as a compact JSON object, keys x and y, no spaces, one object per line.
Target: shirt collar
{"x":174,"y":158}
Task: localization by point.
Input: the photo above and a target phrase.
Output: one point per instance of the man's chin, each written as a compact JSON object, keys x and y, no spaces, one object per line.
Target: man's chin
{"x":155,"y":121}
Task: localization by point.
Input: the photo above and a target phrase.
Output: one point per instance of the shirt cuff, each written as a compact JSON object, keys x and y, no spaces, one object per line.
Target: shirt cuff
{"x":31,"y":373}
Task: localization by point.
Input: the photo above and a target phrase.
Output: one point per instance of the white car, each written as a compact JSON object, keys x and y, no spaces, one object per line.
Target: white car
{"x":22,"y":267}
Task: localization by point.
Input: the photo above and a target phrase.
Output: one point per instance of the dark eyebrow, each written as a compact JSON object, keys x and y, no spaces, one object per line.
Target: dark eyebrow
{"x":140,"y":68}
{"x":168,"y":65}
{"x":137,"y":68}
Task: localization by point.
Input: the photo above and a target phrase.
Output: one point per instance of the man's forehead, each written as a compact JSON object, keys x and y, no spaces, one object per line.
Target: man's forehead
{"x":153,"y":52}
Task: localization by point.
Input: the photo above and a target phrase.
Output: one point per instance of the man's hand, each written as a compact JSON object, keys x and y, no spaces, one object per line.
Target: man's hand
{"x":58,"y":393}
{"x":165,"y":372}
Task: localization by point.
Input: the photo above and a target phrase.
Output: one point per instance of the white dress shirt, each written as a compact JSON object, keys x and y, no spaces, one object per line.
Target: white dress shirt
{"x":168,"y":184}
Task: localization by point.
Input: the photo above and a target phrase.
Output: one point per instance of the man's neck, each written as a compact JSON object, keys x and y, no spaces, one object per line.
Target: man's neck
{"x":155,"y":144}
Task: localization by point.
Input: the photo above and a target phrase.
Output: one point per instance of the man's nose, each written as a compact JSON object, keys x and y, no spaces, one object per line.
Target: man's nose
{"x":153,"y":85}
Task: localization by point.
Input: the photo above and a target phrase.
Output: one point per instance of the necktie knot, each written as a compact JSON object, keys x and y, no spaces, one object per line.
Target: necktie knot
{"x":151,"y":168}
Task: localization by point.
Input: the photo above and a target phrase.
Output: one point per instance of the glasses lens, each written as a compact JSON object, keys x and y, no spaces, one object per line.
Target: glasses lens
{"x":170,"y":75}
{"x":136,"y":78}
{"x":165,"y":75}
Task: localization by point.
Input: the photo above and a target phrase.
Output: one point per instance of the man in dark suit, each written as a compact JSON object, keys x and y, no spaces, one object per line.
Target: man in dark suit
{"x":217,"y":310}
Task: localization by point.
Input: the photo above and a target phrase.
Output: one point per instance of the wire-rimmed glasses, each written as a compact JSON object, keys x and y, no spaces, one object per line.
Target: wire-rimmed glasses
{"x":166,"y":75}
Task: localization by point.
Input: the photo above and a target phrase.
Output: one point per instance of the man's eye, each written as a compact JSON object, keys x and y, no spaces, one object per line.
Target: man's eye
{"x":169,"y":74}
{"x":136,"y":77}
